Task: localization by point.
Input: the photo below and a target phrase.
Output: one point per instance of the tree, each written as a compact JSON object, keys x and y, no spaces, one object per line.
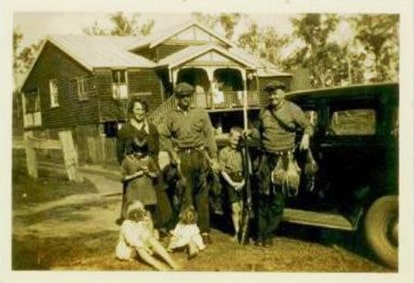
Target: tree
{"x":122,"y":25}
{"x":227,"y":22}
{"x":378,"y":35}
{"x":250,"y":40}
{"x":265,"y":43}
{"x":318,"y":54}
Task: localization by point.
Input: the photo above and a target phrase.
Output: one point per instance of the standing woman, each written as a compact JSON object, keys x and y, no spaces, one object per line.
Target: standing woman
{"x":137,"y":128}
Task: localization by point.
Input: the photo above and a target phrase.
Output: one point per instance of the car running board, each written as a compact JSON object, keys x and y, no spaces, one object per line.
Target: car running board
{"x":319,"y":219}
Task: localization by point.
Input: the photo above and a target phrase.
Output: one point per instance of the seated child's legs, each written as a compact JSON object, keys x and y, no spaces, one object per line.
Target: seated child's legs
{"x":162,"y":252}
{"x":198,"y":241}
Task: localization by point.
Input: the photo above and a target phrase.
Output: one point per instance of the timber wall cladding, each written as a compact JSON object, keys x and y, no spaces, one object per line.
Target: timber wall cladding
{"x":54,"y":64}
{"x":146,"y":84}
{"x":165,"y":50}
{"x":109,"y":109}
{"x":141,"y":82}
{"x":150,"y":54}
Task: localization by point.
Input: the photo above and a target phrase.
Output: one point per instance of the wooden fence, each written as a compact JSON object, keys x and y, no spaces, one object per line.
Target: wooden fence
{"x":65,"y":143}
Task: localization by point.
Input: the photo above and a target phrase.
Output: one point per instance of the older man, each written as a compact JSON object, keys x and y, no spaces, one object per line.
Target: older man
{"x":277,"y":129}
{"x":187,"y":134}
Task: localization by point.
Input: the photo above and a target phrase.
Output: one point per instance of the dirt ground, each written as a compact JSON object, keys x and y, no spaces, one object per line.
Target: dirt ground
{"x":78,"y":232}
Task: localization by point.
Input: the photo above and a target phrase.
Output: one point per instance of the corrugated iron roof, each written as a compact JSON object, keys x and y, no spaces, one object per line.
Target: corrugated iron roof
{"x":100,"y":51}
{"x":264,"y":67}
{"x":192,"y":52}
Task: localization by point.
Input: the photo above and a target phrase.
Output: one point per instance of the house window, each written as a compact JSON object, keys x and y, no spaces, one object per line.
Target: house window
{"x":31,"y":108}
{"x":32,"y":101}
{"x":81,"y":89}
{"x":53,"y":89}
{"x":119,"y":84}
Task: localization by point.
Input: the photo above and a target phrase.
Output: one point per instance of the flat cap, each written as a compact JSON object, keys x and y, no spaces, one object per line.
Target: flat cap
{"x":183,"y":89}
{"x":274,"y":85}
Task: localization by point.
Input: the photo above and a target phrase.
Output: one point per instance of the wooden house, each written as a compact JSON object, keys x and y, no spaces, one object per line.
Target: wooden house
{"x":83,"y":83}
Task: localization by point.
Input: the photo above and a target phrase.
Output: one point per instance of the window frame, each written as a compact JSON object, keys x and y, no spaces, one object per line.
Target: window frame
{"x":372,"y":131}
{"x":121,"y":81}
{"x":54,"y":93}
{"x":80,"y":89}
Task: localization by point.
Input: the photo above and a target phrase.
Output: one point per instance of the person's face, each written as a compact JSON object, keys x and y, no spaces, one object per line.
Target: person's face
{"x":138,"y":111}
{"x":234,"y":139}
{"x":276,"y":97}
{"x":184,"y":101}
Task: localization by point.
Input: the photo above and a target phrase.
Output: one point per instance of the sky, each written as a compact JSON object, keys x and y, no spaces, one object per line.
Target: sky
{"x":36,"y":25}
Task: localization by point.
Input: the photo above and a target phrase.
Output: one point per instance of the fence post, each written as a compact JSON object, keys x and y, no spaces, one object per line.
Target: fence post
{"x":31,"y":159}
{"x":70,"y":156}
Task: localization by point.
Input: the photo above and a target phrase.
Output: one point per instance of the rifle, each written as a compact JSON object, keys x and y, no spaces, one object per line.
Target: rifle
{"x":247,"y":213}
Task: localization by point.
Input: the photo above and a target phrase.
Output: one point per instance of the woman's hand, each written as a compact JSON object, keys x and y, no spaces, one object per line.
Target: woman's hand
{"x":304,"y":143}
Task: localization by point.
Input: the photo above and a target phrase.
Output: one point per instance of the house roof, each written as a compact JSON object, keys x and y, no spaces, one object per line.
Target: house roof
{"x":192,"y":52}
{"x":95,"y":52}
{"x":264,"y":67}
{"x":100,"y":51}
{"x":158,"y":38}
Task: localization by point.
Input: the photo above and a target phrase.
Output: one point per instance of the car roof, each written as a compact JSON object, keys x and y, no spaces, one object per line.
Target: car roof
{"x":345,"y":91}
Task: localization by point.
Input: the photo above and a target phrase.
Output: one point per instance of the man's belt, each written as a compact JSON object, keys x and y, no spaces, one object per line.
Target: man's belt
{"x":190,"y":149}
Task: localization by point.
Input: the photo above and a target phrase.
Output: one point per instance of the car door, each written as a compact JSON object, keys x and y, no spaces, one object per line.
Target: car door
{"x":348,"y":150}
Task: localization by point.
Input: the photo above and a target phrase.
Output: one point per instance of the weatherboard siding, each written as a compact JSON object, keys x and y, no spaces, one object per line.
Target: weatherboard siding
{"x":55,"y":64}
{"x":141,"y":82}
{"x":146,"y":84}
{"x":165,"y":50}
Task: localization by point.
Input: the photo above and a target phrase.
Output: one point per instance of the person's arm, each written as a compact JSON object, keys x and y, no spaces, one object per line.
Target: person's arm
{"x":152,"y":171}
{"x":120,"y":147}
{"x":257,"y":129}
{"x":210,"y":142}
{"x":209,"y":136}
{"x":153,"y":141}
{"x":129,"y":173}
{"x":301,"y":121}
{"x":165,"y":137}
{"x":131,"y":234}
{"x":127,"y":178}
{"x":227,"y":178}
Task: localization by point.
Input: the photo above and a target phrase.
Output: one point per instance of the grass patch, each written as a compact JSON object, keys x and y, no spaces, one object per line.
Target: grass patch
{"x":48,"y":186}
{"x":34,"y":253}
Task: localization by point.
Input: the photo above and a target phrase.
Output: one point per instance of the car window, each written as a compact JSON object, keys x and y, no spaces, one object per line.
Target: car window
{"x":353,"y":122}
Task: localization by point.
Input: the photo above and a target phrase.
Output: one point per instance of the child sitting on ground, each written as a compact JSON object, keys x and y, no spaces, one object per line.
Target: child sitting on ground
{"x":136,"y":237}
{"x":186,"y":234}
{"x":231,"y":169}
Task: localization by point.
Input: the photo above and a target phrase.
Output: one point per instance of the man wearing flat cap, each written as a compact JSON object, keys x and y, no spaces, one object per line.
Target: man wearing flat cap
{"x":278,"y":173}
{"x":187,"y":134}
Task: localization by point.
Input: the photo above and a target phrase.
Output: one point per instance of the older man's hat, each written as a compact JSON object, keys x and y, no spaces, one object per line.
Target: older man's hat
{"x":272,"y":86}
{"x":183,"y":89}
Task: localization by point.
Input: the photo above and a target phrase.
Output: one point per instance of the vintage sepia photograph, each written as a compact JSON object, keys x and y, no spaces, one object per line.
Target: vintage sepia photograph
{"x":240,"y":141}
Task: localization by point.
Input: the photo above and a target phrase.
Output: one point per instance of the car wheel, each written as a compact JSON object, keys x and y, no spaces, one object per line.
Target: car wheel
{"x":381,"y":229}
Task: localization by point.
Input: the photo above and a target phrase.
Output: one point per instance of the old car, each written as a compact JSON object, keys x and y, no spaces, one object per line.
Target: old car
{"x":355,"y":146}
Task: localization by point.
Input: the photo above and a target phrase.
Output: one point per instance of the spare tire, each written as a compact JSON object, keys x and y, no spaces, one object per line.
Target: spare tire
{"x":381,"y":229}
